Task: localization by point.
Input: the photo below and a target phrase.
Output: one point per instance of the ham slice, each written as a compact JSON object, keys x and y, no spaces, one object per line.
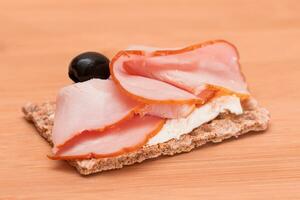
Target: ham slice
{"x":128,"y":136}
{"x":103,"y":118}
{"x":167,"y":111}
{"x":92,"y":105}
{"x":97,"y":105}
{"x":144,"y":89}
{"x":191,"y":71}
{"x":175,"y":111}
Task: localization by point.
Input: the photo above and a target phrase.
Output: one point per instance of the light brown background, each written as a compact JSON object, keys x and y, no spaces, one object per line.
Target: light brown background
{"x":38,"y":39}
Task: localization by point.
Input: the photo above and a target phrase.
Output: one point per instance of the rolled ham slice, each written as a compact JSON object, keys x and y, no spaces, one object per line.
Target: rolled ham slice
{"x":128,"y":136}
{"x":144,"y":89}
{"x":92,"y":105}
{"x":191,"y":71}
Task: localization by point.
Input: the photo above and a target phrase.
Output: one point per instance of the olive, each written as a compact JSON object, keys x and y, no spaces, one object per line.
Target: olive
{"x":89,"y":65}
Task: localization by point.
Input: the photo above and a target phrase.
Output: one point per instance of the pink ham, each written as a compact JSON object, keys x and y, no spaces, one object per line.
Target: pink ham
{"x":167,"y":111}
{"x":147,"y":90}
{"x":128,"y":136}
{"x":92,"y":105}
{"x":96,"y":105}
{"x":103,"y":118}
{"x":190,"y":71}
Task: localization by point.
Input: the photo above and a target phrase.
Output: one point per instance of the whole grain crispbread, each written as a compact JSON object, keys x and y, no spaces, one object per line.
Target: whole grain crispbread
{"x":225,"y":126}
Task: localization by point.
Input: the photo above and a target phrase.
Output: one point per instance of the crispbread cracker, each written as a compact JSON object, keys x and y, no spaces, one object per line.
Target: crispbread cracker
{"x":223,"y":127}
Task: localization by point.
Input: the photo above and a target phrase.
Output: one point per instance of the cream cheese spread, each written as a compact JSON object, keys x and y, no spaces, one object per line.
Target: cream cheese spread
{"x":174,"y":128}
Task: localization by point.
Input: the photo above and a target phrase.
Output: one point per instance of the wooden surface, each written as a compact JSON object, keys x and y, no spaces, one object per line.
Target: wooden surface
{"x":38,"y":39}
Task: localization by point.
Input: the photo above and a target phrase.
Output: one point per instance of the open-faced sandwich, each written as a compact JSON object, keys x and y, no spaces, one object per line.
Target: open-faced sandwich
{"x":147,"y":103}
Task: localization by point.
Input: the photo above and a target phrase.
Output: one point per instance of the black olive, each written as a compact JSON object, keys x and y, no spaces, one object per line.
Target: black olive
{"x":89,"y":65}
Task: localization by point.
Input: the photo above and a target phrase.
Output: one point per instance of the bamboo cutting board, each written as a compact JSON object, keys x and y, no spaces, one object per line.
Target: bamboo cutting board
{"x":39,"y":38}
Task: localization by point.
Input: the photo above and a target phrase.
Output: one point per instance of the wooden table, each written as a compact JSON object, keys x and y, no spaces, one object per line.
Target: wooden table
{"x":39,"y":38}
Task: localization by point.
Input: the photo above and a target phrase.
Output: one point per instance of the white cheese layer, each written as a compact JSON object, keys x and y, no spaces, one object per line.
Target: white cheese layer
{"x":174,"y":128}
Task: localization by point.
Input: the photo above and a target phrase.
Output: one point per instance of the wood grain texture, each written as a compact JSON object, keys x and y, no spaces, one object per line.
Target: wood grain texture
{"x":38,"y":39}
